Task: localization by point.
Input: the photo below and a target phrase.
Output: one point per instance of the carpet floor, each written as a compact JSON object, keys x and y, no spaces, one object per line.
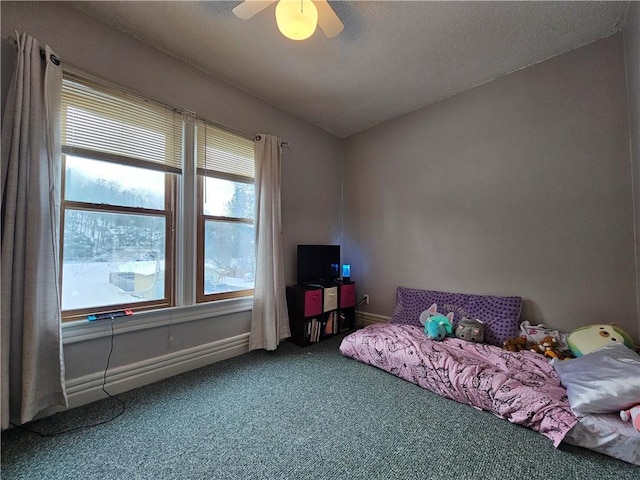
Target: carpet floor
{"x":296,"y":413}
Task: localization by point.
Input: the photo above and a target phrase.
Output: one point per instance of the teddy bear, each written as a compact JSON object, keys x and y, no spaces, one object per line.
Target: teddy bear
{"x":552,"y":348}
{"x":548,"y":347}
{"x":515,"y":344}
{"x":632,"y":414}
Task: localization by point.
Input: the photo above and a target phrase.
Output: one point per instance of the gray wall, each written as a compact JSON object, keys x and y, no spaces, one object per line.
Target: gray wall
{"x":517,"y":187}
{"x":311,"y":183}
{"x":631,"y":36}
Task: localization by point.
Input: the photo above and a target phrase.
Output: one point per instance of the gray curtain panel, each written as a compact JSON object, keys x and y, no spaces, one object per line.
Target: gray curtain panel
{"x":270,"y":318}
{"x":32,"y":361}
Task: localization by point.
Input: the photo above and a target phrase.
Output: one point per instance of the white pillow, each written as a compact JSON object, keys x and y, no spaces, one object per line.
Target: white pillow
{"x":606,"y":380}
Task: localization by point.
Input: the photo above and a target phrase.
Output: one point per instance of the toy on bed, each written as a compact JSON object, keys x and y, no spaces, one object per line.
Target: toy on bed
{"x":584,"y":340}
{"x":632,"y":414}
{"x":549,"y":347}
{"x":436,"y":325}
{"x":516,"y":344}
{"x":470,"y":330}
{"x":537,"y":333}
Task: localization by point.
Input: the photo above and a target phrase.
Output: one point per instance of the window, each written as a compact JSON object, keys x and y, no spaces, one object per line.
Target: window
{"x":121,"y":156}
{"x":125,"y":205}
{"x":226,"y":243}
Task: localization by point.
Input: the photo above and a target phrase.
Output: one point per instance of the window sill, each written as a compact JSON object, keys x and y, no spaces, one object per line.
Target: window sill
{"x":83,"y":330}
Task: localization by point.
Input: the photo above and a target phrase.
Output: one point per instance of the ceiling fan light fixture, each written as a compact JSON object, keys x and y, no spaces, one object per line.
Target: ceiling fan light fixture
{"x":296,"y":19}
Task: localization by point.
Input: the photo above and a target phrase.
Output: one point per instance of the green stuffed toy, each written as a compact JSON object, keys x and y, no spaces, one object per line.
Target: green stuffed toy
{"x":436,"y":325}
{"x":586,"y":339}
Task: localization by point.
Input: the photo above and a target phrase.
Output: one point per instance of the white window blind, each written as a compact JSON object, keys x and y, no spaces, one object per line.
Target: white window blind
{"x":224,"y":155}
{"x":103,"y":122}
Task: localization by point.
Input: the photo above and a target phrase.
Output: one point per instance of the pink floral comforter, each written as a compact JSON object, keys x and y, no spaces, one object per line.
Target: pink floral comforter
{"x":520,"y":387}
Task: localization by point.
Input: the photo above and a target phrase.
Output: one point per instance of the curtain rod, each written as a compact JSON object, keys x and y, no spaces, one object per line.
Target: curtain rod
{"x":43,"y":53}
{"x":282,"y":144}
{"x":80,"y":71}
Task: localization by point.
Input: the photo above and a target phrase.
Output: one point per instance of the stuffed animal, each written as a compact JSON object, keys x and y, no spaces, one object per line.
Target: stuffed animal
{"x":549,"y":348}
{"x":632,"y":414}
{"x":515,"y":344}
{"x":470,"y":330}
{"x":536,"y":333}
{"x":584,"y":340}
{"x":436,"y":325}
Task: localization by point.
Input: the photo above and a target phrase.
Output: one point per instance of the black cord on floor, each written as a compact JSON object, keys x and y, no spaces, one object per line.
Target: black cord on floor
{"x":123,"y":406}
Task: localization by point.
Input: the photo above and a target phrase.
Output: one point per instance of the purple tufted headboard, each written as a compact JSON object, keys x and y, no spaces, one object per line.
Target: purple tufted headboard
{"x":500,"y":315}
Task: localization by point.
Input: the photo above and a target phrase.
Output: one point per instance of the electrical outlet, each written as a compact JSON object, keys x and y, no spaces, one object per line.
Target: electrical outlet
{"x":366,"y":298}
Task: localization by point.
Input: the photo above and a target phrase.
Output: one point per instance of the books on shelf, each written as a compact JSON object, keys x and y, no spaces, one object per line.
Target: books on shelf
{"x":342,"y":320}
{"x":319,"y":328}
{"x":329,"y":328}
{"x":313,"y":330}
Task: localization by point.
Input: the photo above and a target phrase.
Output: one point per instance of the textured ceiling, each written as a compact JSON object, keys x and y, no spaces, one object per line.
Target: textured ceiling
{"x":391,"y":57}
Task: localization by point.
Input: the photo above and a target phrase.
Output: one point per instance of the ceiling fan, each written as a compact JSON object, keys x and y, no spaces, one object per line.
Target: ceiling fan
{"x":296,"y":19}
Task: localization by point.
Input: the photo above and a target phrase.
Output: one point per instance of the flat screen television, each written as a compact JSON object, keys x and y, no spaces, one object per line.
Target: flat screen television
{"x":318,"y":263}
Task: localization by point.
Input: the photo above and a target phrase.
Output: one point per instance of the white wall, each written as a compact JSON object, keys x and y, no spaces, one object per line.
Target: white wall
{"x":517,"y":187}
{"x":311,"y":183}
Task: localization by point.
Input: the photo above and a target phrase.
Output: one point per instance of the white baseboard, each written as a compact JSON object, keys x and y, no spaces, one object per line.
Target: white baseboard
{"x":87,"y":389}
{"x":363,"y":319}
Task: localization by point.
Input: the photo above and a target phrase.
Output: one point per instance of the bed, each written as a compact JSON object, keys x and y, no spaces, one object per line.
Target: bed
{"x":523,"y":387}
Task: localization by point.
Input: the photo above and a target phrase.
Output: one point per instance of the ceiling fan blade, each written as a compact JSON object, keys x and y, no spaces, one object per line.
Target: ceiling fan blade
{"x":249,"y":8}
{"x":327,"y":19}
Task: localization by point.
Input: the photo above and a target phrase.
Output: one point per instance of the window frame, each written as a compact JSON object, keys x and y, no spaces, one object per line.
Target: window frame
{"x":169,"y":215}
{"x":185,"y":221}
{"x":202,"y":219}
{"x":83,"y":91}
